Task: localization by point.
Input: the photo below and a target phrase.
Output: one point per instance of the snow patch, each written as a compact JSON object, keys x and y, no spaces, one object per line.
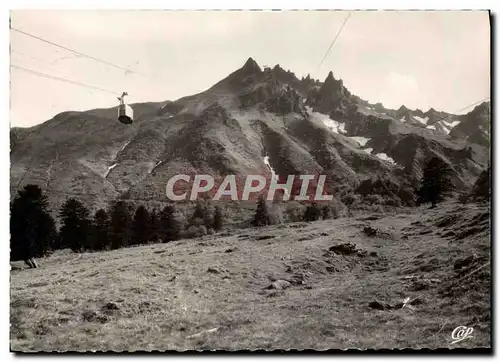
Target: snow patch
{"x":445,"y":129}
{"x":368,"y":150}
{"x":383,"y":156}
{"x":109,"y":169}
{"x":155,"y":166}
{"x":266,"y":162}
{"x":421,"y":120}
{"x":342,"y":127}
{"x":451,"y":124}
{"x":403,"y":120}
{"x":447,"y":126}
{"x":362,"y":141}
{"x":484,"y":130}
{"x":125,"y":145}
{"x":333,"y":125}
{"x":431,"y":127}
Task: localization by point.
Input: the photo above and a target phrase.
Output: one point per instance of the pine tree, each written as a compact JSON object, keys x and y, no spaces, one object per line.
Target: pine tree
{"x":218,"y":219}
{"x":208,"y":216}
{"x":261,"y":217}
{"x":75,"y":230}
{"x":326,"y":212}
{"x":313,"y":212}
{"x":100,"y":231}
{"x":169,"y":226}
{"x":436,"y":182}
{"x":482,"y":187}
{"x":120,"y":225}
{"x":32,"y":229}
{"x":198,"y":217}
{"x":154,"y":226}
{"x":140,"y":226}
{"x":46,"y":228}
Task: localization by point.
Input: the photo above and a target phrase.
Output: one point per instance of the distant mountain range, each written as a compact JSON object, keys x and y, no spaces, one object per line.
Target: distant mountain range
{"x":303,"y":125}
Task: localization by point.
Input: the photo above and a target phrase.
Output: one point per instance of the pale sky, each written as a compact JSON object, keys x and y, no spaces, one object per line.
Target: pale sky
{"x":421,"y":59}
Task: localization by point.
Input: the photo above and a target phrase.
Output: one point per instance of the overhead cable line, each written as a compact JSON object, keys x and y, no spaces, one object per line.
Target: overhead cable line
{"x":333,"y":42}
{"x":473,"y":104}
{"x":80,"y":53}
{"x":49,"y":76}
{"x":462,"y":109}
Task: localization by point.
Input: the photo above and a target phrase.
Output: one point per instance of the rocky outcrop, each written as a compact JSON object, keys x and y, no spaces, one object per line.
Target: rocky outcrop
{"x":475,"y":126}
{"x":331,"y":98}
{"x":228,"y":129}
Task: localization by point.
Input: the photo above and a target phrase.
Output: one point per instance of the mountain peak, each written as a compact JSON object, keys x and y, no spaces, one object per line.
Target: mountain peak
{"x":481,"y":108}
{"x":419,"y":112}
{"x":277,"y":69}
{"x":330,"y":77}
{"x":485,"y":104}
{"x":432,"y":113}
{"x":251,"y":65}
{"x":241,"y":75}
{"x":331,"y":86}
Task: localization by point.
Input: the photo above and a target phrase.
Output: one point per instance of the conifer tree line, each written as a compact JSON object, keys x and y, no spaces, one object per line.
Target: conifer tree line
{"x":34,"y":232}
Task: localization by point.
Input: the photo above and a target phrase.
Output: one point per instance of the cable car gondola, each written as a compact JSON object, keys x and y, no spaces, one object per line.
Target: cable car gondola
{"x":125,"y":112}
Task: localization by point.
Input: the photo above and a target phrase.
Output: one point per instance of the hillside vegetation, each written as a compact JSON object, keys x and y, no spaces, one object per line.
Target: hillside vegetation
{"x":331,"y":284}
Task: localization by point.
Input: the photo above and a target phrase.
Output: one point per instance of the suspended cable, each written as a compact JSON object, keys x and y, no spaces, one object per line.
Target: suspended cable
{"x":473,"y":104}
{"x":79,"y":53}
{"x":49,"y":76}
{"x":44,"y":75}
{"x":462,"y":109}
{"x":333,"y":42}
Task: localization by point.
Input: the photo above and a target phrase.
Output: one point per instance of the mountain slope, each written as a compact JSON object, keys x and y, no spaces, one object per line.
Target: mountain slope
{"x":304,"y":126}
{"x":475,"y":125}
{"x":294,"y":286}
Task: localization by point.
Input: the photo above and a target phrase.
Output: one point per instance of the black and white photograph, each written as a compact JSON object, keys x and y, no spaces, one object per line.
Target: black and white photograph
{"x":250,"y":180}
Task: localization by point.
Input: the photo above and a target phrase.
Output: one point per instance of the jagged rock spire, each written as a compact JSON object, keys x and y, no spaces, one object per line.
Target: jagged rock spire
{"x":251,"y":66}
{"x":330,"y":78}
{"x":331,"y":86}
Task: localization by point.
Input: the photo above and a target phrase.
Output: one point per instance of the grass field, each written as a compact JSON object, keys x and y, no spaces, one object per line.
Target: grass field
{"x":279,"y":287}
